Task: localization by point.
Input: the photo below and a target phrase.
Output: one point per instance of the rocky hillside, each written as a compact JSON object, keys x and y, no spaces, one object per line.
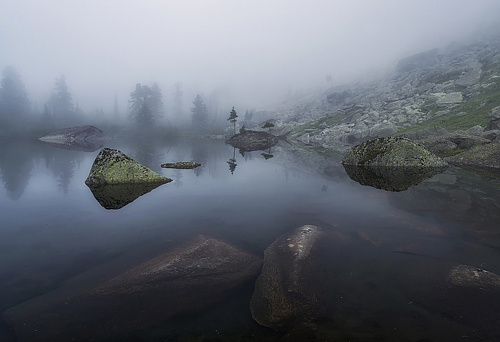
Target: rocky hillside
{"x":455,"y":89}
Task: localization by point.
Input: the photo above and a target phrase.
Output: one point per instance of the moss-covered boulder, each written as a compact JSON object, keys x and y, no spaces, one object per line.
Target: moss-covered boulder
{"x":114,"y":167}
{"x":487,"y":155}
{"x":392,"y":152}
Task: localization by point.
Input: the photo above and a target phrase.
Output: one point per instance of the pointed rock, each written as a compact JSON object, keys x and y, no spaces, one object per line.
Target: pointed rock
{"x":114,"y":167}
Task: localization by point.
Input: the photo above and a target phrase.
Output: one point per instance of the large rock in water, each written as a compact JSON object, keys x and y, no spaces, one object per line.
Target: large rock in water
{"x":114,"y":167}
{"x":186,"y":279}
{"x":487,"y":155}
{"x":81,"y":138}
{"x":392,"y":152}
{"x":283,"y":295}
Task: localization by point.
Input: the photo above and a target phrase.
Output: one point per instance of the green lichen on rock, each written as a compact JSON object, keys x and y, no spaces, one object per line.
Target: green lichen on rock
{"x":114,"y":167}
{"x":487,"y":155}
{"x":392,"y":152}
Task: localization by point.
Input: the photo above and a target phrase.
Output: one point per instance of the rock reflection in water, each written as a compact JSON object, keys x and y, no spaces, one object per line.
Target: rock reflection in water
{"x":391,"y":178}
{"x":81,"y":146}
{"x":116,"y":196}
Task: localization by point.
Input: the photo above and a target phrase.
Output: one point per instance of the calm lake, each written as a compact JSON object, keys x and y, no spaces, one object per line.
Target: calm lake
{"x":393,"y":280}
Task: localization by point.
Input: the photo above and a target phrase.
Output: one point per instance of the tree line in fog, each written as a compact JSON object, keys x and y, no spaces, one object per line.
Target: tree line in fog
{"x":145,"y":109}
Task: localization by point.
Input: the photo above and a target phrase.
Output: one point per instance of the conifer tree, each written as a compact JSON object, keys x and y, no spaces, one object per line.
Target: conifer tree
{"x":61,"y":100}
{"x":14,"y":102}
{"x":199,"y":114}
{"x":232,"y":118}
{"x":140,"y":106}
{"x":177,"y":101}
{"x":268,"y":125}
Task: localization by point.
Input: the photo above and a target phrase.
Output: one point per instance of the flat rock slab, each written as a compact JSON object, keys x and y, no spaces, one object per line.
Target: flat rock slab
{"x":114,"y":167}
{"x":80,"y":138}
{"x":181,"y":165}
{"x":186,"y":279}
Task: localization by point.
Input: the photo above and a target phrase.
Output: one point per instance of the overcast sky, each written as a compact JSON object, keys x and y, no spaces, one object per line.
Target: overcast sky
{"x":250,"y":49}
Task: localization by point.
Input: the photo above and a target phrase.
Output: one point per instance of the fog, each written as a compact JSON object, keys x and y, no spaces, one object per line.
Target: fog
{"x":244,"y":53}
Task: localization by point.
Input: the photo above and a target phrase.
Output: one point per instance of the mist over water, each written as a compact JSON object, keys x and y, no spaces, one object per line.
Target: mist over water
{"x":59,"y":241}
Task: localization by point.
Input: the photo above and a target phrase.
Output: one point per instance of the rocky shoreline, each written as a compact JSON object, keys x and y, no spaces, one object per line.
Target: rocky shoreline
{"x":446,"y":100}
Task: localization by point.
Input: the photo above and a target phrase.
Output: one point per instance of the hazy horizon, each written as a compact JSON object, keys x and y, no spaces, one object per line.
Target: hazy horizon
{"x":248,"y":53}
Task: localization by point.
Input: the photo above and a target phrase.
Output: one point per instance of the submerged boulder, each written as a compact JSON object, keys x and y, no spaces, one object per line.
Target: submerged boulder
{"x":253,"y":140}
{"x":474,"y":277}
{"x":80,"y":138}
{"x":114,"y":167}
{"x":188,"y":278}
{"x":392,"y":152}
{"x":283,"y":293}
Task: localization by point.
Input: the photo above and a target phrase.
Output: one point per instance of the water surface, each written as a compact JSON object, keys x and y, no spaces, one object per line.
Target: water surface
{"x":53,"y":231}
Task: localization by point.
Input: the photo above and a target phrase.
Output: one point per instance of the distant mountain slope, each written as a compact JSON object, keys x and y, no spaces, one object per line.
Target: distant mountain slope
{"x":456,"y":89}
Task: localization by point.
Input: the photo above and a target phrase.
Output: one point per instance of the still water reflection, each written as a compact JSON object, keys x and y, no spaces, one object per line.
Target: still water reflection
{"x":389,"y":281}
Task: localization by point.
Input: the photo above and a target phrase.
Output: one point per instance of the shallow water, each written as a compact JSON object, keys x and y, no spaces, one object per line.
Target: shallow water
{"x":386,"y":284}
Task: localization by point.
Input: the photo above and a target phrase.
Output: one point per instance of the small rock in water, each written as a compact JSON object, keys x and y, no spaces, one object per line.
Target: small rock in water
{"x":181,"y":165}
